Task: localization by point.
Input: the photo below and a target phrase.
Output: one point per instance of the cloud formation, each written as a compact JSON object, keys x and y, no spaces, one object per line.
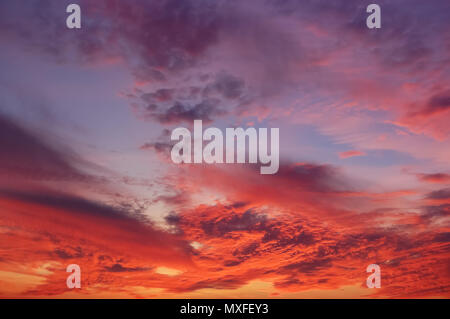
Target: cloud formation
{"x":336,"y":90}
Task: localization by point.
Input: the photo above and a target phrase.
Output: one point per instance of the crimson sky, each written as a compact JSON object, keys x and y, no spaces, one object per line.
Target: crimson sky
{"x":86,"y":177}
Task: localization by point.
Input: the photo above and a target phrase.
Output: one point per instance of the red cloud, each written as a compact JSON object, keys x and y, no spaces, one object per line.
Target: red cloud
{"x":435,"y":178}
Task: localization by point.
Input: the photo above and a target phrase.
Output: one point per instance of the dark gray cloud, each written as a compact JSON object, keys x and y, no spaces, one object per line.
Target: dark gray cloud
{"x":119,"y":268}
{"x":309,"y":266}
{"x":437,"y":103}
{"x":159,"y":147}
{"x":26,"y":154}
{"x":227,"y":85}
{"x":439,"y":194}
{"x":183,"y":112}
{"x":434,"y":213}
{"x":69,"y":252}
{"x":311,"y":177}
{"x":442,"y":237}
{"x":248,"y":221}
{"x":203,"y":101}
{"x":66,"y":202}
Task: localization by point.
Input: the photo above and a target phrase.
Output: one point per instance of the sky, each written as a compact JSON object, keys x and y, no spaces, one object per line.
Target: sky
{"x":86,"y":176}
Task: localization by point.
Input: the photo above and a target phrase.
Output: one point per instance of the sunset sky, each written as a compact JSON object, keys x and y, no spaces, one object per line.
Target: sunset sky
{"x":86,"y":176}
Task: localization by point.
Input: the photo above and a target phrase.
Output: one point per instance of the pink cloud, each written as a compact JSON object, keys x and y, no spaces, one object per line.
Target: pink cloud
{"x":351,"y":153}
